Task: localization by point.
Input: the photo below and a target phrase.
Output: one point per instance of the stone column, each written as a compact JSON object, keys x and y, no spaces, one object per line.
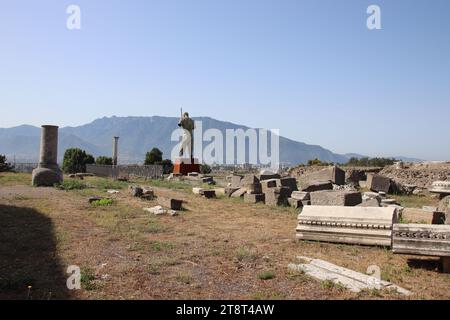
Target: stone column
{"x":48,"y":172}
{"x":115,"y":150}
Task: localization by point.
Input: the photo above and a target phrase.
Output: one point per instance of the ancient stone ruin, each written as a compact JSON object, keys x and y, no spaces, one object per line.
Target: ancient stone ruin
{"x":48,"y":172}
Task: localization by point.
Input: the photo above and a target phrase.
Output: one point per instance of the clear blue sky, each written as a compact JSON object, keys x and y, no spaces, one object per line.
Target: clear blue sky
{"x":310,"y":68}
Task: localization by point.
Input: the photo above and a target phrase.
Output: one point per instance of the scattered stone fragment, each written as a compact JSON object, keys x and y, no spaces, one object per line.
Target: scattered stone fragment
{"x":196,"y":190}
{"x":173,"y":213}
{"x":236,"y":181}
{"x":335,"y":198}
{"x":295,"y":203}
{"x":239,"y":193}
{"x":440,"y":187}
{"x":266,"y":184}
{"x":230,"y":190}
{"x":251,"y":183}
{"x":93,"y":199}
{"x":208,"y":193}
{"x":332,"y":174}
{"x":136,"y":191}
{"x":157,"y":210}
{"x":113,"y":191}
{"x":353,"y":225}
{"x":254,"y":198}
{"x":352,"y":280}
{"x":300,"y":195}
{"x":171,"y":203}
{"x":207,"y":180}
{"x":423,"y":239}
{"x":317,"y":186}
{"x":369,"y":203}
{"x":444,"y":203}
{"x":277,"y":196}
{"x":220,"y":191}
{"x":429,"y":208}
{"x":376,"y":182}
{"x":438,"y":218}
{"x":389,"y":201}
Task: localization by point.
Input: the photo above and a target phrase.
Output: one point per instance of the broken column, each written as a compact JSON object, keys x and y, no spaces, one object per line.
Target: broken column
{"x":115,"y":150}
{"x":48,"y":172}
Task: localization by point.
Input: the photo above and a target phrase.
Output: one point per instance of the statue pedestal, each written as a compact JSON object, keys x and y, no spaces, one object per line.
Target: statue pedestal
{"x":184,"y":166}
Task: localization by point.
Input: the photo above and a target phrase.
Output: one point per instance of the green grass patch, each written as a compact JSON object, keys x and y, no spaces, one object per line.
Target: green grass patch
{"x":245,"y":254}
{"x":14,"y":179}
{"x":102,"y":203}
{"x":71,"y":184}
{"x":266,"y":275}
{"x":87,"y":279}
{"x":105,"y":184}
{"x":160,"y":246}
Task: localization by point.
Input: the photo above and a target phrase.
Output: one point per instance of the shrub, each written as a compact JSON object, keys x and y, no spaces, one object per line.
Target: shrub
{"x":154,"y":156}
{"x":370,"y":162}
{"x":102,"y":203}
{"x":105,"y":161}
{"x":5,"y":166}
{"x":205,"y":169}
{"x":75,"y":160}
{"x":266,"y":275}
{"x":317,"y":162}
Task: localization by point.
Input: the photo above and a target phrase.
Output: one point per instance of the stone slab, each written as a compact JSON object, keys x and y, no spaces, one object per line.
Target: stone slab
{"x":333,"y":174}
{"x":317,"y":186}
{"x":301,"y":195}
{"x":421,"y":239}
{"x":230,"y":190}
{"x":171,"y":203}
{"x":335,"y":198}
{"x":376,"y":182}
{"x":236,"y":181}
{"x":239,"y":193}
{"x":254,"y":198}
{"x":295,"y":203}
{"x":350,"y":279}
{"x":353,"y":225}
{"x":441,"y":187}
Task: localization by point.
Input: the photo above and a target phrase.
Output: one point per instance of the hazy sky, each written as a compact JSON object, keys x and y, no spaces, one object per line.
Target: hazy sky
{"x":310,"y":68}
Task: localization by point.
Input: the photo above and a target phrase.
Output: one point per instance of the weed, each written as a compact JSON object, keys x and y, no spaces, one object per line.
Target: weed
{"x":102,"y":203}
{"x":68,"y":185}
{"x":266,"y":275}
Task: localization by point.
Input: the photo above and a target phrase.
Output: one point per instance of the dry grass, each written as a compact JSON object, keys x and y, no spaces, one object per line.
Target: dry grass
{"x":217,"y":248}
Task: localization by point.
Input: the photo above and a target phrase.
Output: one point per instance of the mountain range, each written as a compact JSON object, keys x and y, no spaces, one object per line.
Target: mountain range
{"x":138,"y":135}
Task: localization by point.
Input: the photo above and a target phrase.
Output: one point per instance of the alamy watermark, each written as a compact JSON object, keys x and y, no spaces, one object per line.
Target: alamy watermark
{"x":231,"y":146}
{"x":73,"y":21}
{"x":374,"y":20}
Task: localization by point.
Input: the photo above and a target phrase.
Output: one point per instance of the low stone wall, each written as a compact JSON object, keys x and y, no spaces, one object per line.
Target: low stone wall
{"x":147,"y":172}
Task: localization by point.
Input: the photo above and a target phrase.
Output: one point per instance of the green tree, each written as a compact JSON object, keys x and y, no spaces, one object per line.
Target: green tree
{"x":103,"y":160}
{"x":75,"y":160}
{"x":5,"y":166}
{"x":167,"y":166}
{"x":154,"y":156}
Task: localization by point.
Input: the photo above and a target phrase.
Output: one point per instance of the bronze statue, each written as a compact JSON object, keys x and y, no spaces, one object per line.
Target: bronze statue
{"x":187,"y":142}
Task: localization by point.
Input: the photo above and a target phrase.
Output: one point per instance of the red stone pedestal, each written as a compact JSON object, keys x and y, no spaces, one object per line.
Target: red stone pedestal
{"x":184,"y":166}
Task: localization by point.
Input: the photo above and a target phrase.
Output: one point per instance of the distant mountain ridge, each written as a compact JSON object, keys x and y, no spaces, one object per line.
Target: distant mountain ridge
{"x":138,"y":135}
